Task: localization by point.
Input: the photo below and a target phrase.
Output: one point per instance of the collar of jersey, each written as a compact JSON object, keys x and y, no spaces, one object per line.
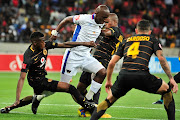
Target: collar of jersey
{"x":93,"y":16}
{"x":32,"y":48}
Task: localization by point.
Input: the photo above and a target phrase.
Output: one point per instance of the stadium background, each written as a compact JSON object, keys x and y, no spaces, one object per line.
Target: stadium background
{"x":19,"y":18}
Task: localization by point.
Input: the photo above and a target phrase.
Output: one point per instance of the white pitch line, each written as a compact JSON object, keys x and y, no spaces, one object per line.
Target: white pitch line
{"x":77,"y":116}
{"x":147,"y":108}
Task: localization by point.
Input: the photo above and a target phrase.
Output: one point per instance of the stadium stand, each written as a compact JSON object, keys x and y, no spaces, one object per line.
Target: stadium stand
{"x":19,"y":18}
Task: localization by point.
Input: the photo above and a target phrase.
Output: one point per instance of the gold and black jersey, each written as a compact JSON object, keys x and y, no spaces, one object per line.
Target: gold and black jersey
{"x":108,"y":45}
{"x":137,"y":51}
{"x":35,"y":60}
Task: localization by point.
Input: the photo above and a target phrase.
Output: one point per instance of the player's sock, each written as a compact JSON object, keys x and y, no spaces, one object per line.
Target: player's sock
{"x":25,"y":101}
{"x":76,"y":95}
{"x":169,"y":104}
{"x":95,"y":86}
{"x":100,"y":110}
{"x":84,"y":93}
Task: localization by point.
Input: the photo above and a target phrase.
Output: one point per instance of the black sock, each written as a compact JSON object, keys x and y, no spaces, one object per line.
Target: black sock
{"x":25,"y":101}
{"x":169,"y":104}
{"x":76,"y":95}
{"x":100,"y":110}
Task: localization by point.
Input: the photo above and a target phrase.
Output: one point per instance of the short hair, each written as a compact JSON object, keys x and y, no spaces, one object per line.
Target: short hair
{"x":143,"y":25}
{"x":36,"y":35}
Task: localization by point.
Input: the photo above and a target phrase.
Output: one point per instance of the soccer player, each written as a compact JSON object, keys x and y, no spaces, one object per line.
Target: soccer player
{"x":88,"y":29}
{"x":137,"y":51}
{"x":34,"y":64}
{"x":176,"y":78}
{"x":112,"y":37}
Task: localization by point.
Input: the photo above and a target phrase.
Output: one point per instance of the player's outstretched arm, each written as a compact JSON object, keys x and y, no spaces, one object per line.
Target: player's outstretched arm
{"x":74,"y":44}
{"x":106,"y":32}
{"x":110,"y":70}
{"x":165,"y":66}
{"x":19,"y":87}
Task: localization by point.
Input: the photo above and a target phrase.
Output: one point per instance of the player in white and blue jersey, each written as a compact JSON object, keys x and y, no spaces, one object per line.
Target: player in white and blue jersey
{"x":88,"y":29}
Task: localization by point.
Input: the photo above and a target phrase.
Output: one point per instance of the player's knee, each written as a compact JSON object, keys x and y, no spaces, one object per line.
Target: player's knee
{"x":164,"y":88}
{"x":102,"y":73}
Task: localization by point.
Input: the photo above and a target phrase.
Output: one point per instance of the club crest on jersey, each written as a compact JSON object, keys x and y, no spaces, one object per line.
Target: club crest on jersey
{"x":77,"y":17}
{"x":44,"y":51}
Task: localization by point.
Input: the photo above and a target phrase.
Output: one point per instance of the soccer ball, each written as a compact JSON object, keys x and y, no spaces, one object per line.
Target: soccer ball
{"x":83,"y":113}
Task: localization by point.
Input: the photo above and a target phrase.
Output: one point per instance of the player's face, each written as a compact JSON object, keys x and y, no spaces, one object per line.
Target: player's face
{"x":40,"y":44}
{"x":101,"y":17}
{"x":108,"y":23}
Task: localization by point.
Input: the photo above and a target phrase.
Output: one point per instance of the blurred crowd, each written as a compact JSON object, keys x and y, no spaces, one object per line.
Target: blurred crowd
{"x":19,"y":18}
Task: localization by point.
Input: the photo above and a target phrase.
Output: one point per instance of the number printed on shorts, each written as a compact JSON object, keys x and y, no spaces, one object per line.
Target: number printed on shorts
{"x":133,"y":50}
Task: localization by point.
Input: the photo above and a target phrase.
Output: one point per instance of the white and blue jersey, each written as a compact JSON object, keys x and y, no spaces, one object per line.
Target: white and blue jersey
{"x":86,"y":30}
{"x":79,"y":57}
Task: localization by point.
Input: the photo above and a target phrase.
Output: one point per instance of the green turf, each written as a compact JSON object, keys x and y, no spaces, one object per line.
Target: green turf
{"x":60,"y":106}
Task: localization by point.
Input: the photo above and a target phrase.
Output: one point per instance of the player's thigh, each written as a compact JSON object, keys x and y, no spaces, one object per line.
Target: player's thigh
{"x":50,"y":85}
{"x":86,"y":78}
{"x":121,"y":86}
{"x":71,"y":63}
{"x":65,"y":78}
{"x":91,"y":65}
{"x":148,"y":83}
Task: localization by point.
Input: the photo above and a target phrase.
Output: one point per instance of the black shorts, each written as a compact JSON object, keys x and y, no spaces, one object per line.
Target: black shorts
{"x":145,"y":82}
{"x":41,"y":84}
{"x":177,"y":77}
{"x":86,"y":76}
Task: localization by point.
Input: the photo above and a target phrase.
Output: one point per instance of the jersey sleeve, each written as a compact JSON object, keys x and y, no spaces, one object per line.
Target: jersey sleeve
{"x":51,"y":45}
{"x":79,"y":19}
{"x":156,"y":45}
{"x":26,"y":63}
{"x":116,"y":33}
{"x":120,"y":50}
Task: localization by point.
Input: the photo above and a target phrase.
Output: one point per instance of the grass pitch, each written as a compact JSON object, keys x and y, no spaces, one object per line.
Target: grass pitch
{"x":136,"y":105}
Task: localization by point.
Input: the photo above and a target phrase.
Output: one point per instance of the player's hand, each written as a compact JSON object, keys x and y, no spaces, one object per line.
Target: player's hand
{"x":174,"y":85}
{"x":91,"y":44}
{"x":108,"y":86}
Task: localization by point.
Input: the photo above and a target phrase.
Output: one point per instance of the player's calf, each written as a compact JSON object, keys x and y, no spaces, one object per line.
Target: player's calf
{"x":23,"y":102}
{"x":100,"y":110}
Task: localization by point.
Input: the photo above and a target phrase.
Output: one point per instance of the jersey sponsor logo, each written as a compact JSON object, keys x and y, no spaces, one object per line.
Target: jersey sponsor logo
{"x":77,"y":17}
{"x":138,"y":38}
